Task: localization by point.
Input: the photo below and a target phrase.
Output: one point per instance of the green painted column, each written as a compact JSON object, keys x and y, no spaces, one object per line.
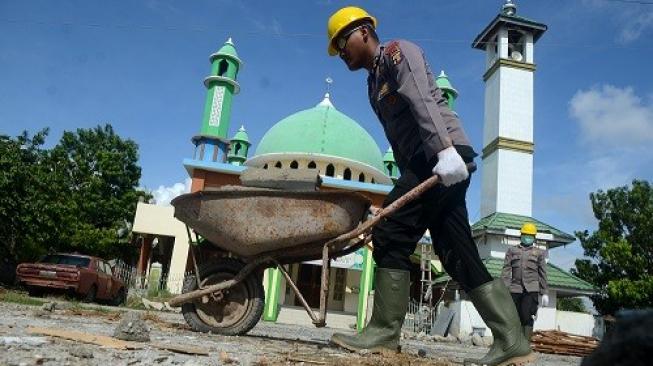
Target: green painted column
{"x":272,"y":291}
{"x":154,"y":280}
{"x":365,"y":287}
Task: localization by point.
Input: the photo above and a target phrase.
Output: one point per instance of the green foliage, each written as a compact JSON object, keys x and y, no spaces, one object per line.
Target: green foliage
{"x":571,"y":304}
{"x":29,"y":211}
{"x":621,"y":250}
{"x":80,"y":195}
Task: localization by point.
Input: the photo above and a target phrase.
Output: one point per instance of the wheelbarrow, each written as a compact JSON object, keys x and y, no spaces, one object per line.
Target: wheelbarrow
{"x":257,"y":228}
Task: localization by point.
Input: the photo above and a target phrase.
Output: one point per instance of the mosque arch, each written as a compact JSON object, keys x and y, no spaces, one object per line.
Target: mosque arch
{"x":294,"y":164}
{"x":330,"y":170}
{"x":223,"y":66}
{"x":361,"y":177}
{"x":278,"y":165}
{"x":346,"y":175}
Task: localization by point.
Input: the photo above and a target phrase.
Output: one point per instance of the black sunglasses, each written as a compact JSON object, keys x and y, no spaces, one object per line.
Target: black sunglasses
{"x":341,"y":42}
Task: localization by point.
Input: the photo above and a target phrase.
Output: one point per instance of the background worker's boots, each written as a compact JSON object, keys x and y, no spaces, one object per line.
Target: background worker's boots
{"x":528,"y":332}
{"x":493,"y":302}
{"x":390,"y":305}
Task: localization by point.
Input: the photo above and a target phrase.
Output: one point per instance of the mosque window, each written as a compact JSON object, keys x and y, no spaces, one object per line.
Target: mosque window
{"x":312,"y":165}
{"x":330,"y":170}
{"x":389,"y":169}
{"x":278,"y":165}
{"x":294,"y":165}
{"x":237,"y":149}
{"x":222,"y":67}
{"x":372,"y":181}
{"x":265,"y":166}
{"x":347,"y":174}
{"x":361,"y":177}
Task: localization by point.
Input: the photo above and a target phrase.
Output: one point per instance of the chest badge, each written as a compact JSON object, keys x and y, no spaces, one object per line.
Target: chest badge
{"x":383,"y":90}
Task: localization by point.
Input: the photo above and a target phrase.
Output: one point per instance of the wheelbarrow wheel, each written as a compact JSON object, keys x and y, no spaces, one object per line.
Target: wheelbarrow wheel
{"x":233,"y":311}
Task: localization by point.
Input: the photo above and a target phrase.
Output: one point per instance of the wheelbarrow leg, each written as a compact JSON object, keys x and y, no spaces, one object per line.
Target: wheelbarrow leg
{"x":324,"y":289}
{"x":290,"y":282}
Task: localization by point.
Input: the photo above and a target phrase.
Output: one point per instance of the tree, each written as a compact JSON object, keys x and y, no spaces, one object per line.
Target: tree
{"x":80,"y":195}
{"x":621,"y":250}
{"x":29,"y":221}
{"x":102,"y":175}
{"x":574,"y":304}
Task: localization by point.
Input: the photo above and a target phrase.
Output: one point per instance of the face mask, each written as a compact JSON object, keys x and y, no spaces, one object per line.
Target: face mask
{"x":527,"y":240}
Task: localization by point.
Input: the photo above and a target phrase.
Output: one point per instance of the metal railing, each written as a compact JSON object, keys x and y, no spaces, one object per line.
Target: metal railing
{"x":419,"y":318}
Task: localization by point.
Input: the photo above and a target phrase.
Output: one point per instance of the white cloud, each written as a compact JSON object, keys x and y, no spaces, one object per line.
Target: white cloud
{"x":633,"y":20}
{"x":163,"y":195}
{"x":612,"y":117}
{"x":636,"y":26}
{"x":616,"y":131}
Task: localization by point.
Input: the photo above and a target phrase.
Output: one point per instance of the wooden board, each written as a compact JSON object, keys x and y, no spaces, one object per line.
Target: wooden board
{"x":99,"y":340}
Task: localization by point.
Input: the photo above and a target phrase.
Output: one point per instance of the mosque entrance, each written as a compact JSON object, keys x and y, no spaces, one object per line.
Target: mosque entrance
{"x":308,"y":282}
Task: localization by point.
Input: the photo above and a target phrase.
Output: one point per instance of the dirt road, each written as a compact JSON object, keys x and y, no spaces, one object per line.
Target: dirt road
{"x":267,"y":344}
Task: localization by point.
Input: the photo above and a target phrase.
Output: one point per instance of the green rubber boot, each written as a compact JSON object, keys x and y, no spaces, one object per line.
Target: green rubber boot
{"x":390,"y":305}
{"x":528,"y":332}
{"x":493,"y":302}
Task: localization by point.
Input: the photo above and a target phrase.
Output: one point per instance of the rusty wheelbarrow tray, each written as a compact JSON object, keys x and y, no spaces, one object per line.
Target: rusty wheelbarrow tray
{"x":323,"y":224}
{"x":250,"y":222}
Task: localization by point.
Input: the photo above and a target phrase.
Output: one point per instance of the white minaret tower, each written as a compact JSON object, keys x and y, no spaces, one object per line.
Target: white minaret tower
{"x":507,"y":182}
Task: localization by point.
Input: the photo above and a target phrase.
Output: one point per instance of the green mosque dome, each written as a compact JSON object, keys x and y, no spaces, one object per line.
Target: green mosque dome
{"x":325,"y":131}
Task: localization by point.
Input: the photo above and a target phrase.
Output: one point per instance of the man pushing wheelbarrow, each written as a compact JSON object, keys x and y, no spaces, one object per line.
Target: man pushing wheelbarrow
{"x":427,"y":139}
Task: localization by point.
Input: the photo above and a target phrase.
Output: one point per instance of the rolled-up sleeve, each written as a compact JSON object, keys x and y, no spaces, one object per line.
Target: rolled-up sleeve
{"x":408,"y":65}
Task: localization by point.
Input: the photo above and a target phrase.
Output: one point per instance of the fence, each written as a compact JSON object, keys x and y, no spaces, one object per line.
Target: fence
{"x":419,"y":318}
{"x":152,"y":284}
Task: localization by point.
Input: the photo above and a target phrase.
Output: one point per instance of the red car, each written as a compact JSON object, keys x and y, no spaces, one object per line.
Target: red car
{"x":88,"y":277}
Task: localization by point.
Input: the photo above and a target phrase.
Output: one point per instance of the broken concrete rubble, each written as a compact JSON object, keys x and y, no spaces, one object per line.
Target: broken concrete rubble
{"x":132,"y":327}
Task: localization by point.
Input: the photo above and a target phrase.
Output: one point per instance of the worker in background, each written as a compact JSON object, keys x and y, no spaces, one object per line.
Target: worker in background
{"x":524,"y":272}
{"x":427,"y":138}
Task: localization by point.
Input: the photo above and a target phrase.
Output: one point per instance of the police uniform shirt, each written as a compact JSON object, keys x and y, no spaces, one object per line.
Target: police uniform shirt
{"x":412,"y":109}
{"x":524,"y":270}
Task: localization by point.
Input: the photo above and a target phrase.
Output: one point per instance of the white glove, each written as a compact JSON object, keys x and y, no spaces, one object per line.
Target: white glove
{"x":450,"y":167}
{"x":545,"y":300}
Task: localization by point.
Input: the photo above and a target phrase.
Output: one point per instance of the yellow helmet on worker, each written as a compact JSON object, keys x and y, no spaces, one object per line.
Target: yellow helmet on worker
{"x":529,"y":229}
{"x":343,"y":18}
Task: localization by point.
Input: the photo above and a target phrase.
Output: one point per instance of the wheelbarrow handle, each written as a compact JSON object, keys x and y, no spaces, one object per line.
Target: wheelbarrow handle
{"x":397,"y":204}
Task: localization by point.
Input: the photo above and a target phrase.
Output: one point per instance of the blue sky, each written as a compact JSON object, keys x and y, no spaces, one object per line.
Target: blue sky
{"x":139,"y":65}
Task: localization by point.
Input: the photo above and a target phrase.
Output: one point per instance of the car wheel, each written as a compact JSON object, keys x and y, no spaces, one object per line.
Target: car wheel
{"x":35,"y":291}
{"x":91,"y":294}
{"x":120,"y":298}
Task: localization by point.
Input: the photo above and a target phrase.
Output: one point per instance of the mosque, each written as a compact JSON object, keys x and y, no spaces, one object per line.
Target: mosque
{"x":347,"y":157}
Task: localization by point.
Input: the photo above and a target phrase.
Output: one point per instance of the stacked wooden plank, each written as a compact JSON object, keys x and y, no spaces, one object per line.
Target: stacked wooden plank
{"x":562,"y":343}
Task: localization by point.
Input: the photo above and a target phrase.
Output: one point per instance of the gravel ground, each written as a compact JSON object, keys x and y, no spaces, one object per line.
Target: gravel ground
{"x":266,"y":344}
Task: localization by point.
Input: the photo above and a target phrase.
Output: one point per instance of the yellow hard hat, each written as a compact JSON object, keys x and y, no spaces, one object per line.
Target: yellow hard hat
{"x":529,"y":228}
{"x":343,"y":18}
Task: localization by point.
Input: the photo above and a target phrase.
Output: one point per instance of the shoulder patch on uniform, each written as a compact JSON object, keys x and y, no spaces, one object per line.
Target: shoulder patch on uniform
{"x":394,"y":52}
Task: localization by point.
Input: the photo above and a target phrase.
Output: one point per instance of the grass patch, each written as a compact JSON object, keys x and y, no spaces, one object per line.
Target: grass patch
{"x":135,"y":302}
{"x":20,"y":298}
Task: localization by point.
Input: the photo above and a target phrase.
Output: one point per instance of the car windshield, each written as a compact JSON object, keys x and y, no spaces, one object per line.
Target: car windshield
{"x":66,"y":259}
